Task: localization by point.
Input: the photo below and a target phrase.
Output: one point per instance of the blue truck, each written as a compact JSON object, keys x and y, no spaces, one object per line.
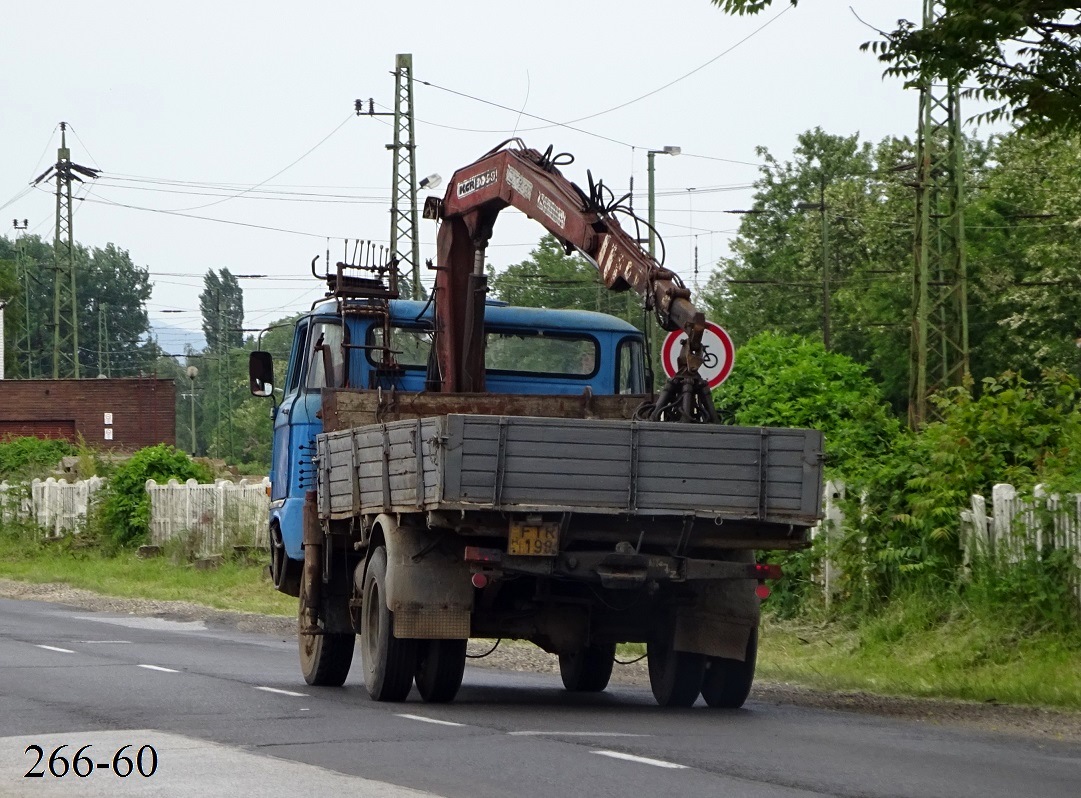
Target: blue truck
{"x":461,"y":469}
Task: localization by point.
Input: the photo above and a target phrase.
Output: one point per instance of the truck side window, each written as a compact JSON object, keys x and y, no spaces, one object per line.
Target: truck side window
{"x":630,"y":377}
{"x":533,"y":352}
{"x":296,"y":358}
{"x":410,"y":344}
{"x":328,"y":336}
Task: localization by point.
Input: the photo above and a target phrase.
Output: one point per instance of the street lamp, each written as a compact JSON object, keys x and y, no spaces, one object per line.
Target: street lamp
{"x":652,"y":190}
{"x":820,"y":206}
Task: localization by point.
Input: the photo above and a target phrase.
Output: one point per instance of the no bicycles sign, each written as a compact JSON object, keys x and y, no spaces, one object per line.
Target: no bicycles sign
{"x":718,"y":354}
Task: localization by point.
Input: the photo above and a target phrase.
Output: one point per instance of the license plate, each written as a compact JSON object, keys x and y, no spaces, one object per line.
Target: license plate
{"x":534,"y":540}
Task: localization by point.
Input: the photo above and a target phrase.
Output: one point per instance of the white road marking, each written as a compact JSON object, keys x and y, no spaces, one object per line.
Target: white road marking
{"x":644,"y":760}
{"x":574,"y":734}
{"x":158,"y":668}
{"x":429,"y":720}
{"x":92,"y":642}
{"x":54,"y":648}
{"x":281,"y":692}
{"x":151,"y":624}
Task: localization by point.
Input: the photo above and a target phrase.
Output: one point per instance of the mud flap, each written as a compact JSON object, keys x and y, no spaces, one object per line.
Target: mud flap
{"x":428,"y":584}
{"x":720,"y":621}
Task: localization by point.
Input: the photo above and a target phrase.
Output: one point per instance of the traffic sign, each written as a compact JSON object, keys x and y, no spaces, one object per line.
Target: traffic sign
{"x":718,"y":354}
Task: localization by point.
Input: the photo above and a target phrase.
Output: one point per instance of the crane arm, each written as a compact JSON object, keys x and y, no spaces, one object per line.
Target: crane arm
{"x":530,"y":181}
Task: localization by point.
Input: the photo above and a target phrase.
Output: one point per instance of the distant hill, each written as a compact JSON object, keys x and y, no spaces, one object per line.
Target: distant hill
{"x":173,"y":340}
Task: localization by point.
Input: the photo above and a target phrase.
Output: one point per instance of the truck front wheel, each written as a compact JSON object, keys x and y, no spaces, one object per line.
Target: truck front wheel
{"x":674,"y":676}
{"x":727,"y":682}
{"x":389,"y":662}
{"x":325,"y":657}
{"x":588,"y":669}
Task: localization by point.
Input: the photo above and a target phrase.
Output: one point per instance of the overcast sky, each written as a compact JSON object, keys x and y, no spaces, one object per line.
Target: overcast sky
{"x":166,"y":99}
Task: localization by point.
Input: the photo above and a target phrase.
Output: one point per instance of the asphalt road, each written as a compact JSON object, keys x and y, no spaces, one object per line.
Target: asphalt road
{"x":228,"y":714}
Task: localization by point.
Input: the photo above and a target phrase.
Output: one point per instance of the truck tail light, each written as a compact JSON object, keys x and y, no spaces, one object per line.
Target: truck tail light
{"x":479,"y":580}
{"x":764,"y":570}
{"x":762,"y":591}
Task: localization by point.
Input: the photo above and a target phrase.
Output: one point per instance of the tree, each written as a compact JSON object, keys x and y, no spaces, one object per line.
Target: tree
{"x":112,"y":292}
{"x":1023,"y":53}
{"x":773,"y":281}
{"x":1024,"y":247}
{"x":221,"y":303}
{"x":550,"y":278}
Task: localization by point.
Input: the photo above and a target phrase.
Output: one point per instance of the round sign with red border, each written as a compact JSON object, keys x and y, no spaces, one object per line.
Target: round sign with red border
{"x":718,"y":354}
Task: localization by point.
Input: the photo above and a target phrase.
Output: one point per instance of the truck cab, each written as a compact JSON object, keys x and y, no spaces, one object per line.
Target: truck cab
{"x":532,"y":351}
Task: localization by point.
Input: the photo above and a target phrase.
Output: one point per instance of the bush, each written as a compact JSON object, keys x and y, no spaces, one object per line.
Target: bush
{"x":1016,"y":431}
{"x":125,"y":509}
{"x":790,"y":381}
{"x":24,"y":459}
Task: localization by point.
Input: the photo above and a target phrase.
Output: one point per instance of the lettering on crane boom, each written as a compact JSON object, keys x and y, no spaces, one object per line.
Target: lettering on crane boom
{"x":477,"y":182}
{"x":548,"y":207}
{"x":519,"y":183}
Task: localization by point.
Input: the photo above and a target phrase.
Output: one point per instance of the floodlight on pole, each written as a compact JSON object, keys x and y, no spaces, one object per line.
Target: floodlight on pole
{"x":432,"y":181}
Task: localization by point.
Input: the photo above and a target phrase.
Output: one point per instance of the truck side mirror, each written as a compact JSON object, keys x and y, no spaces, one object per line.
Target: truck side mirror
{"x":261,"y":374}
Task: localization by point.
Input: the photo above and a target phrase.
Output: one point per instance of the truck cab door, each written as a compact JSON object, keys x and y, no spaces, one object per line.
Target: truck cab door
{"x":317,"y":361}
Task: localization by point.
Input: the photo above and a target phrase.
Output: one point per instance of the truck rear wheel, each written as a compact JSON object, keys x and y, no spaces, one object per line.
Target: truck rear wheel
{"x":325,"y":657}
{"x":674,"y":676}
{"x":389,"y":662}
{"x":440,"y":666}
{"x":588,"y":669}
{"x":727,"y":682}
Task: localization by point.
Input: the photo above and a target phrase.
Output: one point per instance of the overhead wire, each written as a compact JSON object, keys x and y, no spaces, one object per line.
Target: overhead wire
{"x":568,"y":124}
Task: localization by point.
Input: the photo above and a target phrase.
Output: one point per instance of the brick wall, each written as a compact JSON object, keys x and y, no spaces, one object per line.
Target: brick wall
{"x":142,"y":411}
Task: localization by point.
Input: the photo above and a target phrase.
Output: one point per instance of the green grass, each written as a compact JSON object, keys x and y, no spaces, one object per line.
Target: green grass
{"x":964,"y":656}
{"x":236,"y":586}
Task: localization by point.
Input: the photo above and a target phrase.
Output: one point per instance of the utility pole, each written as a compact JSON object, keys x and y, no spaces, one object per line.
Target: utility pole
{"x":104,"y":365}
{"x":939,"y":352}
{"x":404,"y":240}
{"x":65,"y":324}
{"x":22,"y":275}
{"x":820,"y":206}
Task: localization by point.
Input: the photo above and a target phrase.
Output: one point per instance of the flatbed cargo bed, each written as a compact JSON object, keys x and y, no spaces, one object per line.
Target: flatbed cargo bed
{"x":458,"y":462}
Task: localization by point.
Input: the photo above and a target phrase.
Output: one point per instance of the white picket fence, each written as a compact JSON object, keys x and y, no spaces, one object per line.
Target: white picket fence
{"x":213,"y":517}
{"x":1019,"y":527}
{"x":54,"y":505}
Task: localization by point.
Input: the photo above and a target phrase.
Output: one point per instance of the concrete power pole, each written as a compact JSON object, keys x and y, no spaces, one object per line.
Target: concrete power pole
{"x":65,"y":323}
{"x":23,"y":344}
{"x":939,"y":355}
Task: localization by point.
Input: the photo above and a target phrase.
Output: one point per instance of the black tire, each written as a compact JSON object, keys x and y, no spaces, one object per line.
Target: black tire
{"x":674,"y":676}
{"x":324,"y":658}
{"x":440,"y":666}
{"x":284,"y":572}
{"x":727,"y":682}
{"x":389,"y":662}
{"x":589,"y":669}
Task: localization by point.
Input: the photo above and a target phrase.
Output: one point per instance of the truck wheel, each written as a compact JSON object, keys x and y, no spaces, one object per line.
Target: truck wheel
{"x":674,"y":676}
{"x":727,"y":682}
{"x":389,"y":662}
{"x":284,"y":572}
{"x":588,"y":669}
{"x":440,"y":666}
{"x":324,"y":658}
